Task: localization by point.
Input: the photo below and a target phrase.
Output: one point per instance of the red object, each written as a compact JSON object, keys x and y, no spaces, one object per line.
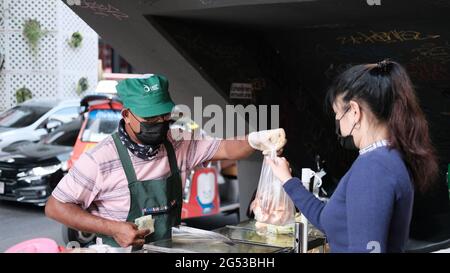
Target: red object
{"x":202,"y":195}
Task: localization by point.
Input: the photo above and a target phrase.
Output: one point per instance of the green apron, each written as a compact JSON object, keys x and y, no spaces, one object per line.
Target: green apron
{"x":160,"y":198}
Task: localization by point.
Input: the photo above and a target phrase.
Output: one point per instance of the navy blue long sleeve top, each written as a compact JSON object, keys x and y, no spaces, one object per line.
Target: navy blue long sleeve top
{"x":371,"y":208}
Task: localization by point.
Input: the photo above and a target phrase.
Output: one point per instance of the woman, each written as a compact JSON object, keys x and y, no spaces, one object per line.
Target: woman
{"x":378,"y":113}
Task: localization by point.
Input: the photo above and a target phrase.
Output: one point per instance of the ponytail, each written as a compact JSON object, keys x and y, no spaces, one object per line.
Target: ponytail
{"x":409,"y":131}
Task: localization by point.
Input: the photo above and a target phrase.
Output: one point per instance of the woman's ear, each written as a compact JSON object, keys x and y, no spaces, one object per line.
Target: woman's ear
{"x":355,"y":111}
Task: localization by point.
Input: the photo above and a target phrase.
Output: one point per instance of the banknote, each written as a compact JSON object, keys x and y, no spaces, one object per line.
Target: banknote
{"x":145,"y":222}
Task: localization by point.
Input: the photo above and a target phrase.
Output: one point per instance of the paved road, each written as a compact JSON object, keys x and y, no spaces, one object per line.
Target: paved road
{"x":20,"y":222}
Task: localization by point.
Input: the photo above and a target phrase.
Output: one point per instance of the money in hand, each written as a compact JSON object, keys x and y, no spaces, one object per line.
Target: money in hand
{"x":145,"y":222}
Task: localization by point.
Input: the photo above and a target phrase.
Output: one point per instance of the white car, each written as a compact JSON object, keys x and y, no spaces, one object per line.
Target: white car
{"x":29,"y":121}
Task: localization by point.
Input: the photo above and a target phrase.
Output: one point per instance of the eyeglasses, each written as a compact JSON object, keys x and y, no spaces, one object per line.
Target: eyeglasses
{"x":154,"y":120}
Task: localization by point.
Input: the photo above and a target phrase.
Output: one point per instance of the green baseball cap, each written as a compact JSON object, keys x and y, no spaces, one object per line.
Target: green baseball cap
{"x":147,"y":96}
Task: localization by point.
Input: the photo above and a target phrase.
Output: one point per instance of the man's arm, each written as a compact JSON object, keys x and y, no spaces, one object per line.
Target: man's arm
{"x":75,"y":217}
{"x":233,"y":149}
{"x":263,"y":140}
{"x":75,"y":192}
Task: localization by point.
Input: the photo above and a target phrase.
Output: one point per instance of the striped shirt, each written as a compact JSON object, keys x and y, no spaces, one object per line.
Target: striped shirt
{"x":97,"y":180}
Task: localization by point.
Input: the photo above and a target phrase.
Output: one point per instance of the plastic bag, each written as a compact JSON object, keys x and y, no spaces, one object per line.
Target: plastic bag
{"x":272,"y":205}
{"x":196,"y":235}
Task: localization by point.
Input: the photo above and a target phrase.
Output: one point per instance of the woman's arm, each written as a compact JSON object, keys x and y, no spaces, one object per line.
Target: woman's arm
{"x":305,"y":201}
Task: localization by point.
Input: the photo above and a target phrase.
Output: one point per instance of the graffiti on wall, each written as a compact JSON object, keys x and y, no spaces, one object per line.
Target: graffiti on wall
{"x":104,"y":10}
{"x":391,"y":36}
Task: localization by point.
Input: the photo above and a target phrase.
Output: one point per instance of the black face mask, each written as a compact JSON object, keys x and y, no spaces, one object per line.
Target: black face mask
{"x":153,"y":134}
{"x":347,"y":141}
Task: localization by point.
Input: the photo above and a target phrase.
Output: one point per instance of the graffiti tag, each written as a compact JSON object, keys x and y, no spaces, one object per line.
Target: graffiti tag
{"x":104,"y":10}
{"x":392,"y":36}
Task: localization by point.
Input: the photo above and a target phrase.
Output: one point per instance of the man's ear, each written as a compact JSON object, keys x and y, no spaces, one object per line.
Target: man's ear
{"x":125,"y":115}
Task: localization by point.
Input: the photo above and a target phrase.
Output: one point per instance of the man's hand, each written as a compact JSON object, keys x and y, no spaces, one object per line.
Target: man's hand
{"x":267,"y":140}
{"x":126,"y":234}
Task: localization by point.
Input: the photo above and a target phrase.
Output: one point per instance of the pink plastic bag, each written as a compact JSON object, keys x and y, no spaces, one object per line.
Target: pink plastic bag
{"x":39,"y":245}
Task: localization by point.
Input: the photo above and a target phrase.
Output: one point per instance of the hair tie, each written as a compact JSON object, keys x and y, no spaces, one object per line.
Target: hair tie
{"x":384,"y":65}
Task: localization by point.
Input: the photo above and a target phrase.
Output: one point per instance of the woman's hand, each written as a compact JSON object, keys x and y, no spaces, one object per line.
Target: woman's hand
{"x":280,"y":168}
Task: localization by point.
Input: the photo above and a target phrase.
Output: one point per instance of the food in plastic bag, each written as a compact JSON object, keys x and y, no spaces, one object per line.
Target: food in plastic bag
{"x":264,"y":229}
{"x":272,"y":205}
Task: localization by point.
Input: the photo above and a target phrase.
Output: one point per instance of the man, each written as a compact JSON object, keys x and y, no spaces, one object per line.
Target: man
{"x":140,"y":169}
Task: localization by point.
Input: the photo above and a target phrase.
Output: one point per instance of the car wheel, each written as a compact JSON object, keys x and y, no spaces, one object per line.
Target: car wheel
{"x":72,"y":235}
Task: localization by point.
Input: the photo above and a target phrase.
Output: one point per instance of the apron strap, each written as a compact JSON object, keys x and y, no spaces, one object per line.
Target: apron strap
{"x":175,"y":186}
{"x":125,"y":159}
{"x":172,"y":157}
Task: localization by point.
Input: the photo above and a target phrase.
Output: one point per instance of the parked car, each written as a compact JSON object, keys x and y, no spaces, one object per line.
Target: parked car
{"x":29,"y":121}
{"x":29,"y":173}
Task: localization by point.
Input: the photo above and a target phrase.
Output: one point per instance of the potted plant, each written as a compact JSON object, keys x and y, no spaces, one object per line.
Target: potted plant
{"x":23,"y":94}
{"x":82,"y":86}
{"x":75,"y":40}
{"x":33,"y":32}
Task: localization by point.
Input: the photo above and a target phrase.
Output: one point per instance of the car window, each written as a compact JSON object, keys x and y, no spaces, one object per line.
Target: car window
{"x":66,"y":115}
{"x":100,"y":124}
{"x":65,"y":135}
{"x":22,"y":115}
{"x":67,"y":138}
